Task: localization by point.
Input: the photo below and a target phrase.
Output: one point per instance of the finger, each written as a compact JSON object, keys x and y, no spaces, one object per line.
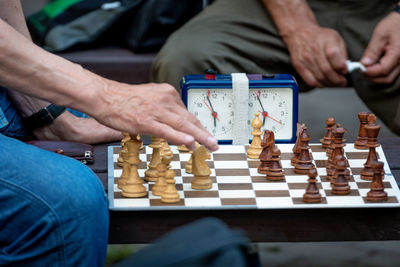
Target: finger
{"x":307,"y":76}
{"x":374,"y":49}
{"x":185,"y":122}
{"x":388,"y":79}
{"x":337,"y":57}
{"x":331,"y":77}
{"x":385,"y":66}
{"x":171,"y":135}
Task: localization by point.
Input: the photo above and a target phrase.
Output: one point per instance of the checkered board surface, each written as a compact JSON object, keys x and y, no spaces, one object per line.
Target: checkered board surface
{"x":237,"y":185}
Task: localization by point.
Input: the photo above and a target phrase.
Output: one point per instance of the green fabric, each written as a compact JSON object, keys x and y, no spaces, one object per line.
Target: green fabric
{"x":57,"y":7}
{"x":239,"y":36}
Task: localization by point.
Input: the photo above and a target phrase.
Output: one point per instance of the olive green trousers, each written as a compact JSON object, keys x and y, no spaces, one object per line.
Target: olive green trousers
{"x":239,"y":36}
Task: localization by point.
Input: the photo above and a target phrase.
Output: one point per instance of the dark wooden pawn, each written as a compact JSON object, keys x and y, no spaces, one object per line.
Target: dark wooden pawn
{"x":340,"y":185}
{"x":362,"y":139}
{"x":296,"y":147}
{"x":377,"y":192}
{"x":275,"y":172}
{"x":337,"y":146}
{"x":304,"y":162}
{"x":372,"y":130}
{"x":312,"y":194}
{"x":267,"y":144}
{"x":327,"y":140}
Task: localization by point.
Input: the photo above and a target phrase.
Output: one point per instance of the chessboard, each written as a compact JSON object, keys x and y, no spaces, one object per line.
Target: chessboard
{"x":238,"y":185}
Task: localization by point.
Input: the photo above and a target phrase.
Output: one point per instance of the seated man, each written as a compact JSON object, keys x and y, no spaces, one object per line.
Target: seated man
{"x":309,"y":39}
{"x":53,"y":208}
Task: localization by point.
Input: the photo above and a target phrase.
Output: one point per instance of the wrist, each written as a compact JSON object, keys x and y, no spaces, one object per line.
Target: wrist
{"x":43,"y":117}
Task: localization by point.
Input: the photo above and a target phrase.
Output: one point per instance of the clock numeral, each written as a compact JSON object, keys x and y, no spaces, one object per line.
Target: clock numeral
{"x":232,"y":113}
{"x":199,"y":105}
{"x":280,"y":104}
{"x":196,"y":114}
{"x":214,"y":95}
{"x":250,"y":104}
{"x":282,"y":113}
{"x":230,"y":104}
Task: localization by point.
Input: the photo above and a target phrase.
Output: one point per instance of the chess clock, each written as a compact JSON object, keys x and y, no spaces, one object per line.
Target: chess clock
{"x":212,"y":99}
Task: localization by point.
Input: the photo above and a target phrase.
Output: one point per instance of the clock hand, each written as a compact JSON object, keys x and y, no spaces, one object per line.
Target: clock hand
{"x":262,"y":107}
{"x":265,"y":114}
{"x":213,"y":113}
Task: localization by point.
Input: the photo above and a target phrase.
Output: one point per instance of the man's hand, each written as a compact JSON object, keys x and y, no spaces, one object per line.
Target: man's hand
{"x":154,"y":109}
{"x":68,"y":127}
{"x":318,"y":55}
{"x":382,"y":55}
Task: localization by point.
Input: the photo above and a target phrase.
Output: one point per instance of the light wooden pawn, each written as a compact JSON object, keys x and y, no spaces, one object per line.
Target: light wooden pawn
{"x":134,"y":185}
{"x":170,"y":194}
{"x":151,"y":174}
{"x":161,"y":184}
{"x":123,"y":150}
{"x":201,"y":170}
{"x":125,"y":173}
{"x":188,"y":167}
{"x":255,"y":148}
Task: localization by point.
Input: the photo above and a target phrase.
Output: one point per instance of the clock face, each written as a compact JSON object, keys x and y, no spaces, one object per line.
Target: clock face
{"x":214,"y":108}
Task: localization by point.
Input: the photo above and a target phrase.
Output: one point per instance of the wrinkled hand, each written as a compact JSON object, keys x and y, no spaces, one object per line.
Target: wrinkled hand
{"x":154,"y":109}
{"x":382,"y":55}
{"x":318,"y":55}
{"x":68,"y":127}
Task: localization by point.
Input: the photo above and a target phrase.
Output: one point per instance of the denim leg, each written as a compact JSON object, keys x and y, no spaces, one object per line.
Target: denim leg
{"x":53,"y":209}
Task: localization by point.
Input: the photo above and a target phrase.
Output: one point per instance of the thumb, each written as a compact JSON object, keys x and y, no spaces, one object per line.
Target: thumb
{"x":374,"y":49}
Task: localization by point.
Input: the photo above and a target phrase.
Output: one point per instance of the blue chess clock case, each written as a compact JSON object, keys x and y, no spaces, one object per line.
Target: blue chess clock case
{"x":224,"y":81}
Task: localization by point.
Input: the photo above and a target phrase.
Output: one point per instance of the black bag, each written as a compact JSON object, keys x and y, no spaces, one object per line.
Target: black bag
{"x":142,"y":25}
{"x":206,"y":242}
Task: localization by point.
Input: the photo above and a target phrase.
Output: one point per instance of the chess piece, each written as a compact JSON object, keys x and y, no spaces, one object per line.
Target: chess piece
{"x":340,"y":185}
{"x":327,"y":140}
{"x":125,"y":173}
{"x":362,"y":139}
{"x":304,"y":162}
{"x":296,"y":147}
{"x":377,"y":192}
{"x":162,"y":168}
{"x":267,"y":144}
{"x":150,"y":175}
{"x":255,"y":148}
{"x":183,"y":148}
{"x":337,"y":132}
{"x":166,"y":150}
{"x":275,"y":171}
{"x":123,"y":150}
{"x":170,"y":194}
{"x":134,"y":185}
{"x":201,"y":170}
{"x":312,"y":194}
{"x":140,"y":140}
{"x":372,"y":130}
{"x":188,"y":167}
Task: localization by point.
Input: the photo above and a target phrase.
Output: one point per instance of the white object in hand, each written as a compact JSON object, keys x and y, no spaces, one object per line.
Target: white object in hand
{"x":354,"y":65}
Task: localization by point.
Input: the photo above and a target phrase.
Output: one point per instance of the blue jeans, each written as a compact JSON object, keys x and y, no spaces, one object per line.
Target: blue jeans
{"x":53,"y":209}
{"x":11,"y":123}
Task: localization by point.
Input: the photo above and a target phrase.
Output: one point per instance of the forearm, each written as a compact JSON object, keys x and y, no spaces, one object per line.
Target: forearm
{"x":11,"y":12}
{"x":33,"y":71}
{"x":290,"y":15}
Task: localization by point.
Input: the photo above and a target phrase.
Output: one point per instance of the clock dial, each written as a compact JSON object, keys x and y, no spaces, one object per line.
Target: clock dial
{"x":214,"y":108}
{"x":275,"y":106}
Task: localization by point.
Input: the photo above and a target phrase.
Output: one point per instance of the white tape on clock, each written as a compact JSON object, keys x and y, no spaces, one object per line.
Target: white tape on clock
{"x":240,"y":89}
